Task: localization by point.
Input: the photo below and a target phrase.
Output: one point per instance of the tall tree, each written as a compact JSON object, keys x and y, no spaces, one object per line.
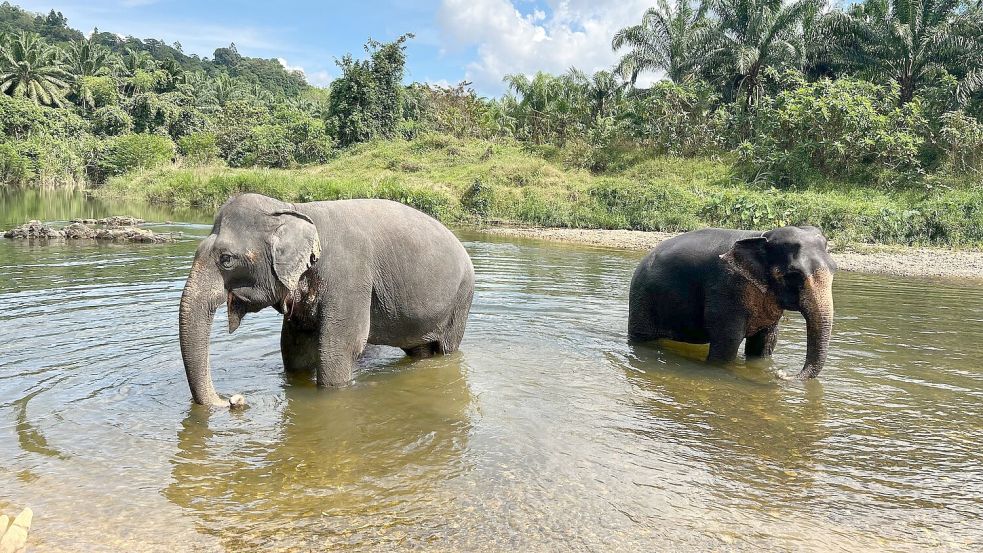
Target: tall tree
{"x":86,"y":58}
{"x":602,"y":91}
{"x":669,"y":38}
{"x":910,"y":42}
{"x":750,"y":36}
{"x":31,"y":68}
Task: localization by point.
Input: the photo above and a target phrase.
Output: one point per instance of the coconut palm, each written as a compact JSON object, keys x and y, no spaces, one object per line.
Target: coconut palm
{"x":602,"y":91}
{"x":547,"y":104}
{"x":136,"y":60}
{"x":86,"y":59}
{"x":669,"y":38}
{"x":910,"y":42}
{"x":750,"y":36}
{"x":224,"y":89}
{"x":31,"y":68}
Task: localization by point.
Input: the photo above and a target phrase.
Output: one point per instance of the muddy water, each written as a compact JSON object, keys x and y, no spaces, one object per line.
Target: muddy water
{"x":546,"y":432}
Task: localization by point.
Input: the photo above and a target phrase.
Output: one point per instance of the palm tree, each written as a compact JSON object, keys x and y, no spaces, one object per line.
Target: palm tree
{"x":668,"y":39}
{"x":910,"y":42}
{"x":547,"y":104}
{"x":602,"y":91}
{"x":136,"y":60}
{"x":32,"y":69}
{"x":224,"y":89}
{"x":750,"y":36}
{"x":86,"y":59}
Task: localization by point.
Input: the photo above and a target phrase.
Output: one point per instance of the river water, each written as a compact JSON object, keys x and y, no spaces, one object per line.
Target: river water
{"x":547,"y":431}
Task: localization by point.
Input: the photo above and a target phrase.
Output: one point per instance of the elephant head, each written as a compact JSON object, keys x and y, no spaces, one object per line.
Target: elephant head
{"x":793,"y":265}
{"x":254,"y":258}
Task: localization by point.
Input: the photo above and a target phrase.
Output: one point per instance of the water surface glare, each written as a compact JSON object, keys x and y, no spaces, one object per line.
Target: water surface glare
{"x":547,"y":431}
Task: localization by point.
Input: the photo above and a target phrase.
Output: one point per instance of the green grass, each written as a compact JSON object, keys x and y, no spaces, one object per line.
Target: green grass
{"x":475,"y":182}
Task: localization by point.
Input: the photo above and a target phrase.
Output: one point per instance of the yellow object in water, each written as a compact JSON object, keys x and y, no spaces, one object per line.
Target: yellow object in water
{"x":14,"y":538}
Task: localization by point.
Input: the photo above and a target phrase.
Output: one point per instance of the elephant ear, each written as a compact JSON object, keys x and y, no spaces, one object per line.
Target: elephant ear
{"x":749,"y":258}
{"x":294,"y":247}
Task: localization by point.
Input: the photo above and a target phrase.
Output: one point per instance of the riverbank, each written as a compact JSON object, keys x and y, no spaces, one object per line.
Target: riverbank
{"x":477,"y":182}
{"x":877,"y":259}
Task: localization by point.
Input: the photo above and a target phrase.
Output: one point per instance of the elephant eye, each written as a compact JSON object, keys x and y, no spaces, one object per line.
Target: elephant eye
{"x":226,"y":261}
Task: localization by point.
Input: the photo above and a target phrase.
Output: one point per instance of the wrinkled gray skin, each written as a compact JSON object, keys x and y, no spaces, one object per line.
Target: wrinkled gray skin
{"x":723,"y":287}
{"x":342,"y":273}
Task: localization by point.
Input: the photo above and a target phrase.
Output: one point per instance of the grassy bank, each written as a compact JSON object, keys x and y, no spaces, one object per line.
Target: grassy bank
{"x":478,"y":181}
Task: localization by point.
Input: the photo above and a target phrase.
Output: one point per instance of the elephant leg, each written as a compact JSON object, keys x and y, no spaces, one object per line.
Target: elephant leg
{"x":723,"y":350}
{"x":762,"y":343}
{"x":342,"y":340}
{"x":299,"y":348}
{"x":725,"y":341}
{"x":641,"y":325}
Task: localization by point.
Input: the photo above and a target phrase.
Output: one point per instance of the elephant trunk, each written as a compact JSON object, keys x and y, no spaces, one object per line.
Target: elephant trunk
{"x":817,"y":309}
{"x":203,"y":293}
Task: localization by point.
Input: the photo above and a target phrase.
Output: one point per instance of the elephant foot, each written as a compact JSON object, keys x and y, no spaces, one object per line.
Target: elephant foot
{"x":236,"y":401}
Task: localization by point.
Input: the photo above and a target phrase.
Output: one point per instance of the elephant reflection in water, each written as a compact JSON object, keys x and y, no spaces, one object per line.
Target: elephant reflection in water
{"x":742,"y":424}
{"x":361,"y":462}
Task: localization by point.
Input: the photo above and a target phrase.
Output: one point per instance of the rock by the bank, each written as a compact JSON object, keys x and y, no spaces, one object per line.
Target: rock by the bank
{"x":35,"y":230}
{"x":114,"y":229}
{"x":114,"y":221}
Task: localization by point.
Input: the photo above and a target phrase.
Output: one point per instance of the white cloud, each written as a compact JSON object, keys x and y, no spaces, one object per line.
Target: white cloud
{"x":441,"y":83}
{"x":316,"y":78}
{"x":319,"y":78}
{"x":289,"y":67}
{"x":575,"y":33}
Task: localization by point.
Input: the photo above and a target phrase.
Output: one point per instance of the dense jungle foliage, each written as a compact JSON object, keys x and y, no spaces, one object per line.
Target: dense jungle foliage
{"x":881,"y":100}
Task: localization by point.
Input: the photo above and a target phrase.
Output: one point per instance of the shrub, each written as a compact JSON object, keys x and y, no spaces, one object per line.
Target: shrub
{"x":307,"y":135}
{"x":51,"y":161}
{"x":111,"y":121}
{"x":477,"y":198}
{"x":14,"y":167}
{"x":189,"y":120}
{"x":676,"y":119}
{"x":268,"y":146}
{"x":233,"y":129}
{"x":100,"y":91}
{"x":835,"y":129}
{"x":21,"y":118}
{"x":961,"y":139}
{"x":200,"y":148}
{"x":134,"y":151}
{"x":153,"y":112}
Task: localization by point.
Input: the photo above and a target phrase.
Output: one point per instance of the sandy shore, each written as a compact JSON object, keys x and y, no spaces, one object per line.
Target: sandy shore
{"x":926,"y":262}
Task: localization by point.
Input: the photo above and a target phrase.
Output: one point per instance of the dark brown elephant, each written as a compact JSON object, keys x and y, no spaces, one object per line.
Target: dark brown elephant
{"x":722,"y":286}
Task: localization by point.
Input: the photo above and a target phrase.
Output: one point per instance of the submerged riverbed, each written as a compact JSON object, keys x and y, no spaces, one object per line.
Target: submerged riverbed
{"x":546,"y":431}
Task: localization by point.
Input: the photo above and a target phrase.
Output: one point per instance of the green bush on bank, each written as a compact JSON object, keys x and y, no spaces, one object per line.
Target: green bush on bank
{"x":199,"y":148}
{"x":134,"y":151}
{"x":845,"y":129}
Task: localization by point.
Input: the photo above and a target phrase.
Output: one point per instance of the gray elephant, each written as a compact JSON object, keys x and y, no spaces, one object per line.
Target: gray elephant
{"x":343,"y":273}
{"x":722,"y":286}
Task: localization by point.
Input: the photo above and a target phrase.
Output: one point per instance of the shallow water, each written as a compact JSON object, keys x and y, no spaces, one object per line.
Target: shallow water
{"x":547,"y":431}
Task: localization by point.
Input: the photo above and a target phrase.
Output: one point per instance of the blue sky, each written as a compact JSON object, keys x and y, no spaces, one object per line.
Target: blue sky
{"x":475,"y":40}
